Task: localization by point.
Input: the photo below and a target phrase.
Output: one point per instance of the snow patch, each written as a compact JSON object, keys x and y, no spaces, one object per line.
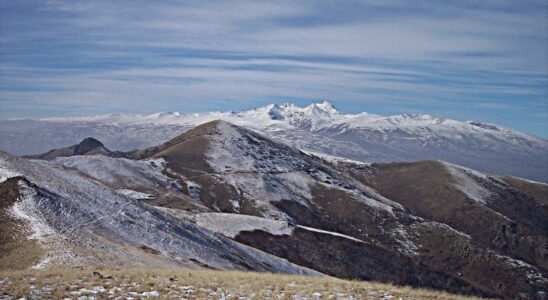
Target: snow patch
{"x":193,"y":189}
{"x":223,"y":148}
{"x":330,"y":233}
{"x":467,"y":183}
{"x":404,"y":242}
{"x":25,"y":209}
{"x":116,"y":171}
{"x":235,"y":205}
{"x":267,"y":171}
{"x":531,"y":271}
{"x":151,"y":294}
{"x":135,"y":194}
{"x":334,"y":159}
{"x":5,"y":172}
{"x":230,"y":225}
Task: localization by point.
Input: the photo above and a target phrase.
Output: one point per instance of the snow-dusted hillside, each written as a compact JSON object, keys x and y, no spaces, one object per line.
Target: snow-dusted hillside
{"x":223,"y":196}
{"x":268,"y":172}
{"x":318,"y":127}
{"x":79,"y":221}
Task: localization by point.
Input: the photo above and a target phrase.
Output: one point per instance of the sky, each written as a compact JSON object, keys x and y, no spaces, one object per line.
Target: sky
{"x":467,"y":60}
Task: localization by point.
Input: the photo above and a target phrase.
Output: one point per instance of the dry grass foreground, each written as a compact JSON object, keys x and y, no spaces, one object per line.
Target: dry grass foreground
{"x":193,"y":284}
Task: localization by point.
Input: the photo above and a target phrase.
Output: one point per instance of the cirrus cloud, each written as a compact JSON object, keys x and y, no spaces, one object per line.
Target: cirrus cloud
{"x":467,"y":59}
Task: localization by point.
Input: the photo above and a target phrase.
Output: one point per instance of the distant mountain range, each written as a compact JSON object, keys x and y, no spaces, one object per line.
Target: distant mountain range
{"x":227,"y":197}
{"x":318,"y":128}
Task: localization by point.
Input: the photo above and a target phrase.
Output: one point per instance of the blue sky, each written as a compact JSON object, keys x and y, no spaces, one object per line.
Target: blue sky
{"x":484,"y":60}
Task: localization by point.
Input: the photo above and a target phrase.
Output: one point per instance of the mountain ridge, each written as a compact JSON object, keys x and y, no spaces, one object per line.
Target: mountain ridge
{"x":344,"y":219}
{"x":88,"y":146}
{"x":272,"y":110}
{"x":318,"y":128}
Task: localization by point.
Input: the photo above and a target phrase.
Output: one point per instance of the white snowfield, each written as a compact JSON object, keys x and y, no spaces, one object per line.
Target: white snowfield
{"x":96,"y":218}
{"x":334,"y":159}
{"x":6,"y":172}
{"x":27,"y":210}
{"x":230,"y":225}
{"x":318,"y":116}
{"x":318,"y":127}
{"x":137,"y":179}
{"x":330,"y":233}
{"x":135,"y":194}
{"x":53,"y":242}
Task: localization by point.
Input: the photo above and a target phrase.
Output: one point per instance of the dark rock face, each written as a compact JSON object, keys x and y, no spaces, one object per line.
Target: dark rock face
{"x":87,"y":145}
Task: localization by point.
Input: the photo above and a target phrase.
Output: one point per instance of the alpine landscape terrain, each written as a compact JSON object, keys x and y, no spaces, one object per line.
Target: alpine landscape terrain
{"x":276,"y":150}
{"x":233,"y":197}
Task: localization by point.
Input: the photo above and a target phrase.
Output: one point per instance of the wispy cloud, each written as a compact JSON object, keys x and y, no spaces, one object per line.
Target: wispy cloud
{"x":467,"y":59}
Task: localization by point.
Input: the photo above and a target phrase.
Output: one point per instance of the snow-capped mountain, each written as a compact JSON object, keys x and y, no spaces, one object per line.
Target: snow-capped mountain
{"x":318,"y":127}
{"x":224,"y":196}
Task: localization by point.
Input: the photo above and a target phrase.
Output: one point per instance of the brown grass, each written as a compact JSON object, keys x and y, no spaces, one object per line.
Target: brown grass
{"x":537,"y":191}
{"x":16,"y":251}
{"x":427,"y":189}
{"x":194,"y":284}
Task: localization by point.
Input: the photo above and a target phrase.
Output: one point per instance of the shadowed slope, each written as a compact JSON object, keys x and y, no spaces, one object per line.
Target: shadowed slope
{"x":82,"y":222}
{"x":535,"y":190}
{"x":507,"y":219}
{"x":87,"y":146}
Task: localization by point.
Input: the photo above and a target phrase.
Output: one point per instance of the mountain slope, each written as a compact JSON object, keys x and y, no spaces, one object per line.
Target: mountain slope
{"x":493,"y":213}
{"x":77,"y":221}
{"x":427,"y":224}
{"x":338,"y":219}
{"x":233,"y":165}
{"x":318,"y":127}
{"x":87,"y":146}
{"x":423,"y":224}
{"x":375,"y":138}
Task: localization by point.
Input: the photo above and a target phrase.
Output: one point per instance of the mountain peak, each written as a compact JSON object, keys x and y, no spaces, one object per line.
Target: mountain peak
{"x":211,"y":128}
{"x":293,"y":113}
{"x":484,"y":125}
{"x":319,"y":108}
{"x":91,"y":142}
{"x":327,"y":107}
{"x":87,"y":145}
{"x":275,"y":112}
